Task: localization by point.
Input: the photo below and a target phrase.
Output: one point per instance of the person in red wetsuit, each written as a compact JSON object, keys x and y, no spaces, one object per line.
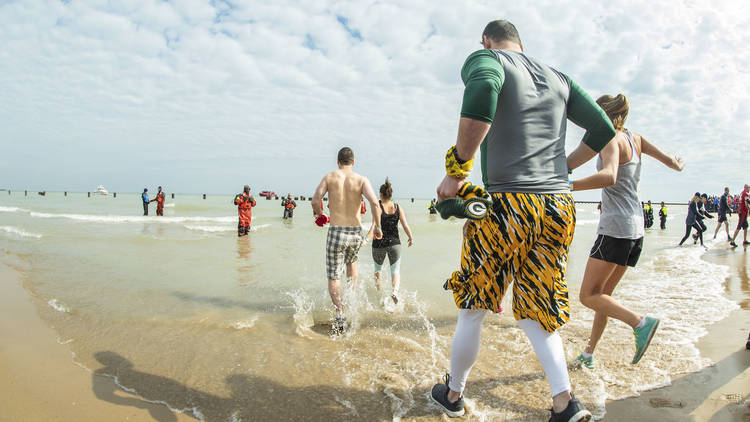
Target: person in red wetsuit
{"x":160,"y":198}
{"x":244,"y":203}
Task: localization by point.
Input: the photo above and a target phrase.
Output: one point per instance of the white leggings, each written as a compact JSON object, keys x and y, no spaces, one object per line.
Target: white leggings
{"x":465,"y":348}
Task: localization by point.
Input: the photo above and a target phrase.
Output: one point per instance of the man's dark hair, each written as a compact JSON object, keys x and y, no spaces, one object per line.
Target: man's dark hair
{"x":346,"y":156}
{"x":502,"y":30}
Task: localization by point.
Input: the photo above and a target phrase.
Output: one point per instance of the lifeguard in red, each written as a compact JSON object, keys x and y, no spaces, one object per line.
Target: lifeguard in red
{"x":244,"y":203}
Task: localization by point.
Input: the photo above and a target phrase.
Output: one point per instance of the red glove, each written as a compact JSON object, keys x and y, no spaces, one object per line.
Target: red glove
{"x":322,"y":220}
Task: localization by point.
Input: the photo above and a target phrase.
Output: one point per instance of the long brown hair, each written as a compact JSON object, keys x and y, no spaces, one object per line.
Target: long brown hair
{"x":616,"y":108}
{"x":386,"y":190}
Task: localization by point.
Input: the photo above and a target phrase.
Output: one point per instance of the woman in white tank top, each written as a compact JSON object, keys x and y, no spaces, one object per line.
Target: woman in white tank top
{"x":620,"y":232}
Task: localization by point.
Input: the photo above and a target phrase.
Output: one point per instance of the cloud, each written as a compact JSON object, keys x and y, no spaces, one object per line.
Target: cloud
{"x":210,"y":94}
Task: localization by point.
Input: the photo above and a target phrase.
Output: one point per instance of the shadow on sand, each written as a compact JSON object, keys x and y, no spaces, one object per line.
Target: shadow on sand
{"x":256,"y":398}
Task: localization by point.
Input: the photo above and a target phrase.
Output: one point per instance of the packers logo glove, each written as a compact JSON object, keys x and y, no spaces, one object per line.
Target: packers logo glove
{"x":473,"y":203}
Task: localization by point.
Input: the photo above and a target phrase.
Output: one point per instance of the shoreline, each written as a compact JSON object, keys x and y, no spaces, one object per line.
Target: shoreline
{"x":39,"y":380}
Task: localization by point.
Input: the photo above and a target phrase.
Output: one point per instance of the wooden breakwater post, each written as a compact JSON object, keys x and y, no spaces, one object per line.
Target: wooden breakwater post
{"x":114,"y":195}
{"x":172,"y":196}
{"x":204,"y":196}
{"x":66,"y":193}
{"x":25,"y":193}
{"x":89,"y":194}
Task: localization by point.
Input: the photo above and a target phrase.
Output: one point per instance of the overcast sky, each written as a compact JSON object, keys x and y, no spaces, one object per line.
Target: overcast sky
{"x":205,"y":96}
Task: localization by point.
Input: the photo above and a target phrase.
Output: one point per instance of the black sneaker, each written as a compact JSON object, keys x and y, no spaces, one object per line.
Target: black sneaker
{"x":575,"y":412}
{"x":338,"y":325}
{"x":745,"y":243}
{"x":439,"y":395}
{"x":732,"y":244}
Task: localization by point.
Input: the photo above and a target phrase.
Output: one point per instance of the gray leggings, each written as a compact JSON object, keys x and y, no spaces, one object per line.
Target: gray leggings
{"x":394,"y":258}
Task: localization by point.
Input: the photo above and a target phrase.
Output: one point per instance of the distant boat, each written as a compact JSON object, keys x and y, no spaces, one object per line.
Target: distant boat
{"x":268,"y":194}
{"x":101,"y":191}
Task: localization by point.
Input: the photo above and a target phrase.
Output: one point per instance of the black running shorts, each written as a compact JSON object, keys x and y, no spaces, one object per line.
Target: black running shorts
{"x":618,"y":251}
{"x":722,"y":218}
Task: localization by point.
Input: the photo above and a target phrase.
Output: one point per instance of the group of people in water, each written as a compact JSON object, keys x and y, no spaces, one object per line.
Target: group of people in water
{"x":698,"y":211}
{"x":519,"y":227}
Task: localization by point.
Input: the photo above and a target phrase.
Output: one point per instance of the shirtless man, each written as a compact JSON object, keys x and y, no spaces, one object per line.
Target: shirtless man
{"x":345,"y":189}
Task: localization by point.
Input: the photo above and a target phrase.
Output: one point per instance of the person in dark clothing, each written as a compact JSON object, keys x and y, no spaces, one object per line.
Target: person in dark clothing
{"x":289,"y":206}
{"x":702,"y":214}
{"x":390,"y":244}
{"x":663,"y":216}
{"x":145,"y":199}
{"x":431,"y":207}
{"x":691,"y":221}
{"x":723,"y":209}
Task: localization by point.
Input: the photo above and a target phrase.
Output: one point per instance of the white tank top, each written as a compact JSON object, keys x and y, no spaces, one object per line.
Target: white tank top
{"x":622,"y":215}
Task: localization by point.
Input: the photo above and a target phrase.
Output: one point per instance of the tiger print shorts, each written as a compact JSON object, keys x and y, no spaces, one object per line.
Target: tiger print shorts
{"x":525,"y":239}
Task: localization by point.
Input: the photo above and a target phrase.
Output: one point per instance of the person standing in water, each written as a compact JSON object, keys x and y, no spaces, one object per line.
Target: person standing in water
{"x":160,"y":198}
{"x":663,"y":216}
{"x":390,"y":244}
{"x":620,"y":232}
{"x":146,"y":201}
{"x":245,"y":204}
{"x":431,"y":207}
{"x":289,"y":206}
{"x":691,"y":220}
{"x":742,"y":210}
{"x":722,"y":213}
{"x":345,"y":189}
{"x":516,"y":108}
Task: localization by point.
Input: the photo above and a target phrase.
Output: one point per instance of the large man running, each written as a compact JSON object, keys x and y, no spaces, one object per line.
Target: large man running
{"x":518,"y":106}
{"x":345,"y":190}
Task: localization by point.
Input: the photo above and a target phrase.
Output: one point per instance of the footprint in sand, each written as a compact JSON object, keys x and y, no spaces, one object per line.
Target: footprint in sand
{"x":662,"y":402}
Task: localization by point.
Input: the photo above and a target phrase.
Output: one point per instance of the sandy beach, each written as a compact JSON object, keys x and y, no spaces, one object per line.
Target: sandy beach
{"x":39,"y":380}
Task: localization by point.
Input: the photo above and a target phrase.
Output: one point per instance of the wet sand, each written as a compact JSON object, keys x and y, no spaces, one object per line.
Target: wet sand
{"x":40,"y":382}
{"x":720,"y":392}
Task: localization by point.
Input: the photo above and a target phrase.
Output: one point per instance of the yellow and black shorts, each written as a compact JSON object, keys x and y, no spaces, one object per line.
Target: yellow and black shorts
{"x":524,"y":239}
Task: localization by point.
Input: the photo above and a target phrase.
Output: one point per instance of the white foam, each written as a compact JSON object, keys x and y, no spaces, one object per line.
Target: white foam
{"x":303,"y":319}
{"x":12,"y":209}
{"x":219,"y":229}
{"x":58,"y":306}
{"x":19,"y":232}
{"x":245,"y":323}
{"x":131,"y":218}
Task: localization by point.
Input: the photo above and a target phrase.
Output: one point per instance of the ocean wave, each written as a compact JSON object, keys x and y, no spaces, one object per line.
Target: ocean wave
{"x":218,"y":229}
{"x":131,"y":218}
{"x":13,"y":209}
{"x":19,"y":232}
{"x":58,"y":306}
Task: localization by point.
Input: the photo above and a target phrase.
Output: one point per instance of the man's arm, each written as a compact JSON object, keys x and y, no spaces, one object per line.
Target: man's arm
{"x":483,"y":78}
{"x":584,"y":112}
{"x":318,"y":196}
{"x":369,"y":194}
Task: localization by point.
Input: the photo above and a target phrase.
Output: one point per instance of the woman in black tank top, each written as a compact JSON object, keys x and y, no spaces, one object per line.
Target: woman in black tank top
{"x":390,"y":244}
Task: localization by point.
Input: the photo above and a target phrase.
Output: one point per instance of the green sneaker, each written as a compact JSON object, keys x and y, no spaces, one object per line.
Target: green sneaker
{"x":643,"y":337}
{"x":587,"y":362}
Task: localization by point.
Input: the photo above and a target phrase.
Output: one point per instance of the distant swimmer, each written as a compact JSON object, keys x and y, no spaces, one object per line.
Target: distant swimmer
{"x":289,"y":206}
{"x":663,"y":216}
{"x":345,"y":189}
{"x":723,"y":209}
{"x":390,"y":245}
{"x":245,"y":204}
{"x":515,"y":109}
{"x":620,"y":232}
{"x":742,"y":210}
{"x":691,"y":220}
{"x":160,"y":198}
{"x":146,"y":201}
{"x":431,"y":207}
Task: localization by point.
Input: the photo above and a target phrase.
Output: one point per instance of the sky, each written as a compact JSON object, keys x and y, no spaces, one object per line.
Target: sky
{"x":206,"y":96}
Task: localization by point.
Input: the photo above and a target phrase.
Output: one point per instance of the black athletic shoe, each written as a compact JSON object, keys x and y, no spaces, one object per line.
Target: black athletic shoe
{"x":745,"y":243}
{"x":439,"y":395}
{"x":575,"y":412}
{"x":732,"y":244}
{"x":339,"y":325}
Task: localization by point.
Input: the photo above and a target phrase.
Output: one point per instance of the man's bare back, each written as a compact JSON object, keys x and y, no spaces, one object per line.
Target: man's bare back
{"x":345,"y":191}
